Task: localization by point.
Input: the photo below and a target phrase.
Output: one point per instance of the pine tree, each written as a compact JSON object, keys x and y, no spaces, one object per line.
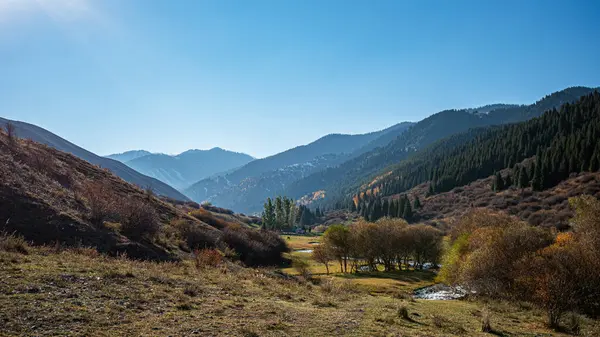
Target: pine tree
{"x":417,"y":203}
{"x":498,"y":183}
{"x":508,"y":181}
{"x":401,"y":206}
{"x":430,"y":191}
{"x":279,"y":213}
{"x":523,"y":178}
{"x":291,"y":221}
{"x":268,"y":215}
{"x":385,"y":208}
{"x":537,"y":183}
{"x":407,"y":215}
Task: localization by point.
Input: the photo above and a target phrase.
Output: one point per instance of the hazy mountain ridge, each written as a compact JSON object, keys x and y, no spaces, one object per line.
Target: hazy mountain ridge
{"x":38,"y":134}
{"x":128,"y":155}
{"x":263,"y":177}
{"x":186,"y":168}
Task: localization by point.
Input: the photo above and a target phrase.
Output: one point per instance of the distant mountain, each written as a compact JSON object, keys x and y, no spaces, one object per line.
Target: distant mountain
{"x":246,"y":188}
{"x":35,"y":133}
{"x":182,"y":170}
{"x":350,"y":175}
{"x":128,"y":155}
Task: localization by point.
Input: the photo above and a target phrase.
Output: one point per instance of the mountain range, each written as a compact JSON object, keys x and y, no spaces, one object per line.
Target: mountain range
{"x":332,"y":167}
{"x":184,"y":169}
{"x":246,"y":188}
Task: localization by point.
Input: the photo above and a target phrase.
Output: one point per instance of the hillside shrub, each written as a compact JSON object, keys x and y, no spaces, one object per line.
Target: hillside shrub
{"x":210,"y":219}
{"x":195,"y":236}
{"x":101,"y":202}
{"x":13,"y":243}
{"x":138,"y":219}
{"x":255,"y":247}
{"x":205,"y":258}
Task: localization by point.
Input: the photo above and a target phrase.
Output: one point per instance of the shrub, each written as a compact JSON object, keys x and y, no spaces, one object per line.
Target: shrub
{"x":403,"y":313}
{"x":195,"y":236}
{"x":302,"y":267}
{"x":13,"y":243}
{"x":138,"y":219}
{"x":101,"y":202}
{"x":210,"y":219}
{"x":486,"y":324}
{"x":255,"y":247}
{"x":208,"y":258}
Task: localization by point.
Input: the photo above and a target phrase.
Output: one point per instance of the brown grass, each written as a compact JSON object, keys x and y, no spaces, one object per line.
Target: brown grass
{"x":68,"y":292}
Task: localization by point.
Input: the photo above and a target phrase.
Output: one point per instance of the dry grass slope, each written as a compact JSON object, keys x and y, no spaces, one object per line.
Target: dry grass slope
{"x":79,"y":292}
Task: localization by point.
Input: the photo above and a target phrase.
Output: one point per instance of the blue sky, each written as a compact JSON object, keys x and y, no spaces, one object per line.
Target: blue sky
{"x":263,"y":76}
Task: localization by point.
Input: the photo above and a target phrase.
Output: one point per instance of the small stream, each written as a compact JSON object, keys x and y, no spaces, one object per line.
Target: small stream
{"x":440,"y":292}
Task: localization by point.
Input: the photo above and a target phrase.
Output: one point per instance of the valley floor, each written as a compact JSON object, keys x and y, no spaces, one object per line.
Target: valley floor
{"x":77,"y":292}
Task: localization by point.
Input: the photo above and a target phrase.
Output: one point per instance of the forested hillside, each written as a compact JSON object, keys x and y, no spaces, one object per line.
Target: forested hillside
{"x":345,"y":179}
{"x":560,"y":142}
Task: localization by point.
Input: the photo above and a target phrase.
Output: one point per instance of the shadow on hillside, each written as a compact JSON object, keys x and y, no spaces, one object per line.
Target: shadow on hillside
{"x":409,"y":276}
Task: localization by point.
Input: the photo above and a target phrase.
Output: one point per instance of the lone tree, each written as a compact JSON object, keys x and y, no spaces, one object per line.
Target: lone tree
{"x":322,"y":255}
{"x":11,"y":132}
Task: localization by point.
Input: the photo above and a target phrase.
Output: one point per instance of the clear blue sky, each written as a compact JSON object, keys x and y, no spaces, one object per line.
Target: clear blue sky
{"x":263,"y":76}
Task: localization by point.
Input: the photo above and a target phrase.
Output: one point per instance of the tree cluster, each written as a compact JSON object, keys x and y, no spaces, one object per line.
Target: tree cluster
{"x":391,"y":243}
{"x":373,"y":208}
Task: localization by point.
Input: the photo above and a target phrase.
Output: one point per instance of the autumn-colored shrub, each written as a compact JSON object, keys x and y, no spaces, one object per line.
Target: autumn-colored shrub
{"x":210,"y":219}
{"x":205,"y":258}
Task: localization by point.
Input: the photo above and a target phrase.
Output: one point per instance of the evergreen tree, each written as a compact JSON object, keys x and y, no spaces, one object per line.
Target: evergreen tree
{"x":268,"y":216}
{"x":537,"y":183}
{"x":430,"y":191}
{"x":498,"y":183}
{"x":523,"y":178}
{"x":292,"y":214}
{"x":279,"y":213}
{"x":385,"y":208}
{"x":417,"y":203}
{"x":508,"y":181}
{"x":401,"y":206}
{"x":407,"y":215}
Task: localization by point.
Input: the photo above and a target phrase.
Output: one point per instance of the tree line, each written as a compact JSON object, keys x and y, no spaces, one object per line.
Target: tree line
{"x":373,"y":208}
{"x":283,"y":213}
{"x":391,"y":243}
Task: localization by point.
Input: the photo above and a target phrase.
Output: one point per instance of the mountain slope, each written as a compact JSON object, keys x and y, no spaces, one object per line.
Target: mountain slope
{"x":128,"y":155}
{"x":246,"y":188}
{"x":35,"y":133}
{"x":526,"y":161}
{"x":50,"y":196}
{"x":350,"y":175}
{"x":184,"y":169}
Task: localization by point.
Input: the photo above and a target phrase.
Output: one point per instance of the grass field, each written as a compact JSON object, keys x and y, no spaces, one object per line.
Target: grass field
{"x":68,"y":292}
{"x":296,"y":242}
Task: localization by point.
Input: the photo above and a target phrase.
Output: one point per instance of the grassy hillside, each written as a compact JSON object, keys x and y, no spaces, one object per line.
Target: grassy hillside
{"x":37,"y":134}
{"x":52,"y":197}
